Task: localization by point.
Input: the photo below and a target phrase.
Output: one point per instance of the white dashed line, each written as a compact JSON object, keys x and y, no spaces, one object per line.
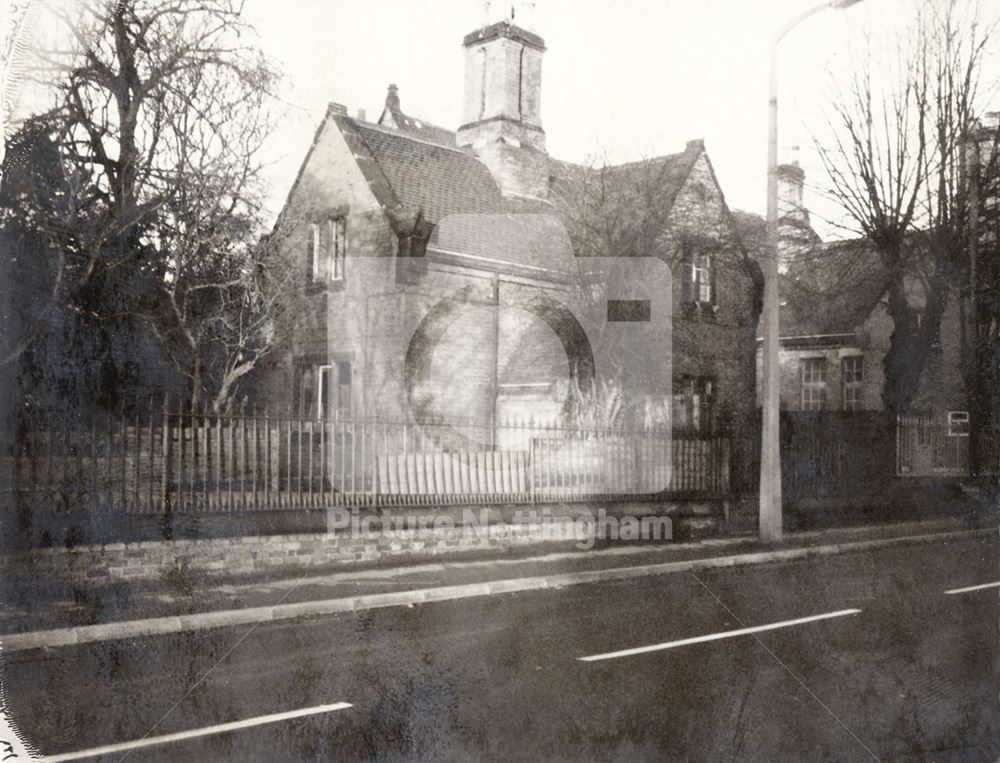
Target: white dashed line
{"x":180,"y":736}
{"x":972,"y":588}
{"x":717,"y":636}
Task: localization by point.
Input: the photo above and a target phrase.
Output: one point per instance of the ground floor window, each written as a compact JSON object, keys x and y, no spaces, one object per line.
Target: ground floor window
{"x":693,"y":403}
{"x":813,"y":375}
{"x":852,"y":375}
{"x":958,"y":423}
{"x":325,"y":390}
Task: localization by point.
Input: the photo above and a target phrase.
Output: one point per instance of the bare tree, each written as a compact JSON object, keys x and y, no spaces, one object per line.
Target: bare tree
{"x":896,"y":165}
{"x":613,"y":211}
{"x":630,"y":210}
{"x":164,"y":108}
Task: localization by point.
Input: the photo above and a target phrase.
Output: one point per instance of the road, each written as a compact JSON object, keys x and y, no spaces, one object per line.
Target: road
{"x":896,"y":670}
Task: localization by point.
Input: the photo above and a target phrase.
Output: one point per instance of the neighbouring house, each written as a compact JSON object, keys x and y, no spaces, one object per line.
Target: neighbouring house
{"x":835,"y":326}
{"x":442,"y":264}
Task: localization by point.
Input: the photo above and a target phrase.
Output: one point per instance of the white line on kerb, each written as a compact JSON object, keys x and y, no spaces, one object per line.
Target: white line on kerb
{"x":972,"y":588}
{"x":717,"y":636}
{"x":206,"y":731}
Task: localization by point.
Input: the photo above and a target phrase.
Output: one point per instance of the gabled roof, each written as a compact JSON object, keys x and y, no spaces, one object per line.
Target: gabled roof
{"x":420,"y":129}
{"x":833,"y":289}
{"x":414,"y":170}
{"x":751,"y":229}
{"x":623,"y":183}
{"x":828,"y":289}
{"x":415,"y":173}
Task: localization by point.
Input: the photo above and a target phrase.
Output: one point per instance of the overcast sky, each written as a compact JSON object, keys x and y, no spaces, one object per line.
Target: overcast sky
{"x":625,"y":79}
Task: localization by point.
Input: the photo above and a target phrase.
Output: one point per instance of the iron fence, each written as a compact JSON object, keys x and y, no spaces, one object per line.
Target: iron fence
{"x":162,"y":459}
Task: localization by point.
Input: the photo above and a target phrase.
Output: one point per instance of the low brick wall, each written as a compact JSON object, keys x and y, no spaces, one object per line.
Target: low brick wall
{"x":257,"y":556}
{"x":228,"y":557}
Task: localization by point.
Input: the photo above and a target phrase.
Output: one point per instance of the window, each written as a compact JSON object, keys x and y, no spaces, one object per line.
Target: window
{"x":307,"y":392}
{"x":325,"y":390}
{"x":699,"y":281}
{"x":958,"y":423}
{"x":813,"y":384}
{"x":852,"y":375}
{"x":313,"y":251}
{"x":336,"y":248}
{"x":334,"y":390}
{"x":327,"y":251}
{"x":702,"y":278}
{"x":693,"y":401}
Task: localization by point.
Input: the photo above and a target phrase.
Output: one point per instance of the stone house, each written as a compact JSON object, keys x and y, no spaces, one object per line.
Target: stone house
{"x":443,"y":266}
{"x":835,"y":326}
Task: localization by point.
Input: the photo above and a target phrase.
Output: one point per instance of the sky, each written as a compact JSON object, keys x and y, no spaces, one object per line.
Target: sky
{"x":621,"y":80}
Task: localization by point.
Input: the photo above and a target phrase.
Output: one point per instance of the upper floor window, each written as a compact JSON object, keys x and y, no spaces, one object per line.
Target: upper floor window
{"x":336,"y":248}
{"x":813,"y":372}
{"x":328,"y":250}
{"x":852,"y":375}
{"x":313,"y":256}
{"x":699,"y":278}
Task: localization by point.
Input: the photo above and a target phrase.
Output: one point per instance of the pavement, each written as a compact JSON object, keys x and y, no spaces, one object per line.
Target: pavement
{"x":880,"y":646}
{"x":124,"y":611}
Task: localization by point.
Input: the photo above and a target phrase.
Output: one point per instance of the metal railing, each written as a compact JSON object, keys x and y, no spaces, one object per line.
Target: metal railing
{"x":162,"y":458}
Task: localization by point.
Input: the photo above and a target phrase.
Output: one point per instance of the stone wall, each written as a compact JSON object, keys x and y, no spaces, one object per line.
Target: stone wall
{"x":721,"y":344}
{"x":548,"y":528}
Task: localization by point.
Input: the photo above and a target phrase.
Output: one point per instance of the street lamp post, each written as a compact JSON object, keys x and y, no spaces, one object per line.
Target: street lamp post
{"x":770,"y":455}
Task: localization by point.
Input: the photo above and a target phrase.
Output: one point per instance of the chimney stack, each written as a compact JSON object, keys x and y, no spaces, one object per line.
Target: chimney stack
{"x":791,"y":184}
{"x":392,"y":113}
{"x":502,"y":119}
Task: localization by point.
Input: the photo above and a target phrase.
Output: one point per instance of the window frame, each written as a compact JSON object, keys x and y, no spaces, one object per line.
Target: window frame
{"x":322,"y":371}
{"x":313,"y":249}
{"x":852,"y":390}
{"x":695,"y":396}
{"x":334,"y":374}
{"x":699,"y":277}
{"x":327,"y":248}
{"x":958,"y":418}
{"x":809,"y":385}
{"x":337,"y":252}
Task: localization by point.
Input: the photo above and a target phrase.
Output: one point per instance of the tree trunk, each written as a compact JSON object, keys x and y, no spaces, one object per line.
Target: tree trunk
{"x":196,"y":384}
{"x":910,"y":344}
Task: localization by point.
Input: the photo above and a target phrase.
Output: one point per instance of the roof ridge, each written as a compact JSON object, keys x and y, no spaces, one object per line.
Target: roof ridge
{"x":401,"y":134}
{"x":693,"y":148}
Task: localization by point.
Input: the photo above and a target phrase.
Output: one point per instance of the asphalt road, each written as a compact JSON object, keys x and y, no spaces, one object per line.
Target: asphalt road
{"x":912,"y":676}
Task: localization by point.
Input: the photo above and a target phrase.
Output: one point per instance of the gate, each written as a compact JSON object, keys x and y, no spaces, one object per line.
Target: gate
{"x":929,"y":448}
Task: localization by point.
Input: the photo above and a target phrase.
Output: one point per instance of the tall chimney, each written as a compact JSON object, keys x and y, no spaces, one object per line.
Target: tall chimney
{"x":502,"y":110}
{"x":791,"y":182}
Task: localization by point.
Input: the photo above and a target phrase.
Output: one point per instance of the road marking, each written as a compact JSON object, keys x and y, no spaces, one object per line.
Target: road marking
{"x":972,"y":588}
{"x":207,"y":731}
{"x":717,"y":636}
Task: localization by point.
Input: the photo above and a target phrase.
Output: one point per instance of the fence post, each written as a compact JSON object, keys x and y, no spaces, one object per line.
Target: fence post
{"x":165,"y":487}
{"x":531,"y":459}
